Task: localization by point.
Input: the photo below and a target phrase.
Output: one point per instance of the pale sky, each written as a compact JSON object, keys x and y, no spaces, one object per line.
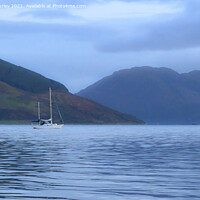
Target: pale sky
{"x":78,"y":46}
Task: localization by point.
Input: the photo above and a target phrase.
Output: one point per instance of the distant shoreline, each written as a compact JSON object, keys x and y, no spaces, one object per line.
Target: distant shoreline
{"x":24,"y":122}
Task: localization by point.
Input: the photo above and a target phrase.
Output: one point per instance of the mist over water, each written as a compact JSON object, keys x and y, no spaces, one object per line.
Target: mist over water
{"x":100,"y":162}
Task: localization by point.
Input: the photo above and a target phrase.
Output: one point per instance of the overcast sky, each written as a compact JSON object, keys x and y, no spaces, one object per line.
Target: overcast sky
{"x":78,"y":46}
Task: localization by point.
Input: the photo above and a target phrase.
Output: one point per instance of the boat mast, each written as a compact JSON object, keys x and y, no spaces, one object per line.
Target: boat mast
{"x":50,"y":102}
{"x":38,"y":110}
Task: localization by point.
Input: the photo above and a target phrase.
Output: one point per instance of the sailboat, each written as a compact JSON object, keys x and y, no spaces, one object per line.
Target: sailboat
{"x":47,"y":123}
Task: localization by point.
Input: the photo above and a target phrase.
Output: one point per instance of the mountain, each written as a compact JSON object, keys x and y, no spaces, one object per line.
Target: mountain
{"x":156,"y":95}
{"x":21,"y":89}
{"x":26,"y":80}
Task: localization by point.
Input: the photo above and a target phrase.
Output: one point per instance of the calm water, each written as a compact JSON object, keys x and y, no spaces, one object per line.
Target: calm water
{"x":100,"y":162}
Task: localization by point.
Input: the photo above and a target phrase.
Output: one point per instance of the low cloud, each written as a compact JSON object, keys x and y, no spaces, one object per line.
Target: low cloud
{"x":178,"y":31}
{"x":47,"y":14}
{"x":175,"y":28}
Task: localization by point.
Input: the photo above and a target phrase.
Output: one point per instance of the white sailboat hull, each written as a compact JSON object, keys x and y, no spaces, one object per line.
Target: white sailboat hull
{"x":48,"y":126}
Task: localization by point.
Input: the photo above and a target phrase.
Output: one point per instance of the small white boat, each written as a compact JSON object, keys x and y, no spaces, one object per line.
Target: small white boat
{"x":48,"y":126}
{"x":47,"y":123}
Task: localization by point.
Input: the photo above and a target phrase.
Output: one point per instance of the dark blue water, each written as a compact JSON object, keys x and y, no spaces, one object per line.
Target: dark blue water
{"x":100,"y":162}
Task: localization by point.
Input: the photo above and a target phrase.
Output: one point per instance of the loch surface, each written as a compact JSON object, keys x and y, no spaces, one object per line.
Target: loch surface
{"x":100,"y":162}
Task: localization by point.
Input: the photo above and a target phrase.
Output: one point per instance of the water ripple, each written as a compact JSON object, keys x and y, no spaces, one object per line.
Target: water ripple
{"x":100,"y":162}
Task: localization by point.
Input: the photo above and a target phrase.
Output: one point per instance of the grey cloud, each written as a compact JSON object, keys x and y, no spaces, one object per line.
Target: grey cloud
{"x":83,"y":32}
{"x":178,"y":31}
{"x":48,"y":14}
{"x":175,"y":32}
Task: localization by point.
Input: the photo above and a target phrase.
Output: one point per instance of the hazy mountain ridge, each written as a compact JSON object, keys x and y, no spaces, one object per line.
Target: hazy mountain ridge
{"x":157,"y":95}
{"x":21,"y":89}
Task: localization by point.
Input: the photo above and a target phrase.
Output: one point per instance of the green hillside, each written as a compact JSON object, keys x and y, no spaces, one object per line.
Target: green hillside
{"x":21,"y":89}
{"x":25,"y":79}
